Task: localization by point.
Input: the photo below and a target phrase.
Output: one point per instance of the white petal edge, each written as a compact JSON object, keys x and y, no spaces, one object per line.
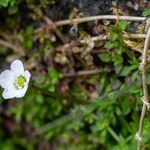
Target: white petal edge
{"x":6,"y":79}
{"x":17,"y":67}
{"x":21,"y":93}
{"x":27,"y":75}
{"x":8,"y":94}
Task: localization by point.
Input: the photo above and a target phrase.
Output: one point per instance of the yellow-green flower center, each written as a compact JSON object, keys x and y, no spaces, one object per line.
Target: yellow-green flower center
{"x":20,"y":82}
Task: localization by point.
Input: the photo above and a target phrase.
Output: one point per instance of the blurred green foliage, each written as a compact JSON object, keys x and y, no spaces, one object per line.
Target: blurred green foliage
{"x":44,"y":118}
{"x":146,"y":12}
{"x":12,"y":3}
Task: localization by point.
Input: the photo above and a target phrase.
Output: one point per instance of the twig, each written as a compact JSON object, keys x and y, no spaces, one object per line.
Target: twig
{"x":134,"y":36}
{"x":126,"y":35}
{"x":16,"y":48}
{"x":93,"y":18}
{"x":55,"y":29}
{"x":7,"y":44}
{"x":147,"y":24}
{"x":5,"y":36}
{"x":87,"y":72}
{"x":145,"y":90}
{"x":101,"y":17}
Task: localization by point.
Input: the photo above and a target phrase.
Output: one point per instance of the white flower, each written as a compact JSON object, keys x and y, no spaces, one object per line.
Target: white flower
{"x":15,"y":81}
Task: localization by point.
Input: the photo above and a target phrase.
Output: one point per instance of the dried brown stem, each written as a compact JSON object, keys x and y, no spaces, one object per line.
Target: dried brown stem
{"x":87,"y":72}
{"x":145,"y":89}
{"x":7,"y":44}
{"x":126,"y":35}
{"x":17,"y":48}
{"x":102,"y":17}
{"x":55,"y":29}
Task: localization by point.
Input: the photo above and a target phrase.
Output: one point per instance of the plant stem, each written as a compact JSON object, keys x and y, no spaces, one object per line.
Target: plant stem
{"x":113,"y":134}
{"x":101,"y":17}
{"x":145,"y":87}
{"x":87,"y":72}
{"x":126,"y":35}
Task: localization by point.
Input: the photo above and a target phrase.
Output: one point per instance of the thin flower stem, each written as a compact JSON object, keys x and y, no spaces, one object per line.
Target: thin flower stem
{"x":101,"y":17}
{"x":145,"y":88}
{"x":126,"y":35}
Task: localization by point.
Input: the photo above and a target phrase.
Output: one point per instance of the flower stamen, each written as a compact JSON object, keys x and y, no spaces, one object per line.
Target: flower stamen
{"x":20,"y":82}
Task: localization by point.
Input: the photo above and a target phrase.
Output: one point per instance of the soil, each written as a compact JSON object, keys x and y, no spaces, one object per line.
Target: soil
{"x":94,"y":7}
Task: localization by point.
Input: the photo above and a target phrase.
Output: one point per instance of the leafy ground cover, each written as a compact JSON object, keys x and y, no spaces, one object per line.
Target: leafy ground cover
{"x":84,"y":94}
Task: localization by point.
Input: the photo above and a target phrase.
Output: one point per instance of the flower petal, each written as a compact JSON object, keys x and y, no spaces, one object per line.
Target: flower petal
{"x":8,"y":94}
{"x":20,"y":93}
{"x":6,"y":78}
{"x":17,"y":67}
{"x":27,"y":75}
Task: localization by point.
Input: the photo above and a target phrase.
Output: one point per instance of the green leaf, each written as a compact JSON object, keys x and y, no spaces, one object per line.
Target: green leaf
{"x":29,"y":30}
{"x":146,"y":12}
{"x":54,"y":75}
{"x":30,"y":1}
{"x":78,"y":93}
{"x":12,"y":10}
{"x":10,"y":3}
{"x":127,"y":70}
{"x":105,"y":57}
{"x":4,"y":3}
{"x":29,"y":43}
{"x":118,"y":68}
{"x":109,"y":45}
{"x":126,"y":106}
{"x":113,"y":36}
{"x":123,"y":25}
{"x":117,"y":59}
{"x":54,"y":78}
